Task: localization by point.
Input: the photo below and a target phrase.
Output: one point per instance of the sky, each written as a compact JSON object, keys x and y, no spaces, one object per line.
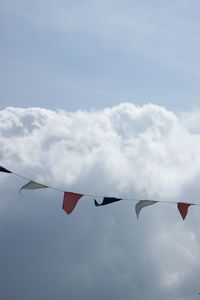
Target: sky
{"x":93,"y":54}
{"x":99,"y":97}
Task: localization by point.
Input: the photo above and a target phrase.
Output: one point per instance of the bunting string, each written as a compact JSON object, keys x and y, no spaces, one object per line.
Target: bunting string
{"x":70,"y":199}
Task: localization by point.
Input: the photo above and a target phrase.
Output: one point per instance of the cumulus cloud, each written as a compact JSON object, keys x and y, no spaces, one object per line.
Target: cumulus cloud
{"x":124,"y":151}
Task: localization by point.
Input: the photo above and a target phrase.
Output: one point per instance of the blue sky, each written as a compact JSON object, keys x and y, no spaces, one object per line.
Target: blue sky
{"x":92,"y":54}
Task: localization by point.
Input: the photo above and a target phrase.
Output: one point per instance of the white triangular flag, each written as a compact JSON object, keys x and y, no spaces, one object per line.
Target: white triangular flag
{"x":141,"y":204}
{"x":32,"y":185}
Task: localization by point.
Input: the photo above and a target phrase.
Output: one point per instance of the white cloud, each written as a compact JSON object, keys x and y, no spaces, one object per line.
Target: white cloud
{"x":130,"y":151}
{"x":143,"y":149}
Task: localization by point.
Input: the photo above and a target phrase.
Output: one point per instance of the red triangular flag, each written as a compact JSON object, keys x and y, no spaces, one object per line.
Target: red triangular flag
{"x":69,"y":201}
{"x":183,"y":208}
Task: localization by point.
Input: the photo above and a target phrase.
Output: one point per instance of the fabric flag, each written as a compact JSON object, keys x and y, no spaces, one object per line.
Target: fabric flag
{"x":106,"y":200}
{"x":183,"y":208}
{"x":69,"y":201}
{"x":2,"y":169}
{"x":141,"y":204}
{"x":32,"y":185}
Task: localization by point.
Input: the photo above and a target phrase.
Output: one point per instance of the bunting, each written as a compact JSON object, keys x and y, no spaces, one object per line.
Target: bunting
{"x":70,"y":199}
{"x":183,"y":209}
{"x":106,"y":200}
{"x":2,"y":169}
{"x":32,"y":185}
{"x":141,"y":204}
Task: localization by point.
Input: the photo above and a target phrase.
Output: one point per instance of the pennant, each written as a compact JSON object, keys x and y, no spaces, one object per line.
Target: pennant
{"x":141,"y":204}
{"x":183,"y":209}
{"x":2,"y":169}
{"x":32,"y":185}
{"x":69,"y":201}
{"x":107,"y":200}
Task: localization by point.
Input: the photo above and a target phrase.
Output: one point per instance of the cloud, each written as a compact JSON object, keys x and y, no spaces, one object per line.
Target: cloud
{"x":124,"y":151}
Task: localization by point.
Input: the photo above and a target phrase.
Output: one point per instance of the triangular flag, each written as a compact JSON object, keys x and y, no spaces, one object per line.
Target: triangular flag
{"x":141,"y":204}
{"x":183,"y":208}
{"x":32,"y":185}
{"x":2,"y":169}
{"x":106,"y":200}
{"x":69,"y":201}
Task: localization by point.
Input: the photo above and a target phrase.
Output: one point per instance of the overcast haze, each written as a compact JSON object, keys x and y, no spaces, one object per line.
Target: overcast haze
{"x":99,"y":97}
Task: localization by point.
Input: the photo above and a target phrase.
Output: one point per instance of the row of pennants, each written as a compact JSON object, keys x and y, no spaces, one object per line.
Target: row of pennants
{"x":70,"y":199}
